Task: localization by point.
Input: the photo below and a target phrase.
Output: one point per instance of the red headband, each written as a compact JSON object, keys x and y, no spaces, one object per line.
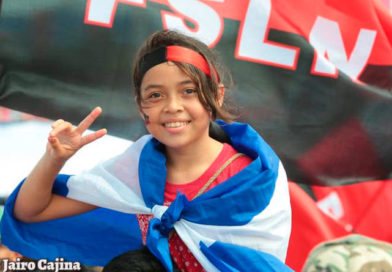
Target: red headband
{"x":173,"y":53}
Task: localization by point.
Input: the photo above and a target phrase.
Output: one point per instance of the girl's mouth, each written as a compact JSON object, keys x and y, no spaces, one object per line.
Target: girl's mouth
{"x":175,"y":124}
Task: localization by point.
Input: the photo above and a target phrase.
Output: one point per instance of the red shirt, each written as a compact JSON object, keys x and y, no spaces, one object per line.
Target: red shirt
{"x":178,"y":250}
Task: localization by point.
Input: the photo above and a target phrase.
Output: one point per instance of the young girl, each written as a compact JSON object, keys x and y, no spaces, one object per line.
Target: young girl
{"x":203,"y":203}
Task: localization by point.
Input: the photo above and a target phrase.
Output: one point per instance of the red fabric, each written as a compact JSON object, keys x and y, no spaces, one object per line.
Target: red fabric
{"x":310,"y":226}
{"x":178,"y":250}
{"x":337,"y":148}
{"x":372,"y":15}
{"x":366,"y":207}
{"x":358,"y":208}
{"x":187,"y":55}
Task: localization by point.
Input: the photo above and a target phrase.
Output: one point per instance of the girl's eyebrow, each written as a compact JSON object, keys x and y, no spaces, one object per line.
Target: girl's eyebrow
{"x":184,"y":82}
{"x":152,"y":86}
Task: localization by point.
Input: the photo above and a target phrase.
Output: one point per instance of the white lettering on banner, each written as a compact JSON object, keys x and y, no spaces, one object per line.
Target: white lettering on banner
{"x":332,"y":45}
{"x":101,"y":12}
{"x":252,"y":43}
{"x":209,"y":24}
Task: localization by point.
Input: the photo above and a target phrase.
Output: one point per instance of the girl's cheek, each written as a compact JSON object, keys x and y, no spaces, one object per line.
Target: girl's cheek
{"x":146,"y":119}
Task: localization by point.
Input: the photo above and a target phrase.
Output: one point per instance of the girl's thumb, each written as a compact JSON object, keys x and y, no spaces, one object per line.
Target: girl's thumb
{"x":54,"y":142}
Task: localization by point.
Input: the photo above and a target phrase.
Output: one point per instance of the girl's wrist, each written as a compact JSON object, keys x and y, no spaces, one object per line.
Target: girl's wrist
{"x":56,"y":162}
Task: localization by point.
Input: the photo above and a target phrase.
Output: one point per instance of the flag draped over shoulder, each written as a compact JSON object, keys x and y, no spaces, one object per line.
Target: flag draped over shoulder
{"x":243,"y":223}
{"x":314,"y":78}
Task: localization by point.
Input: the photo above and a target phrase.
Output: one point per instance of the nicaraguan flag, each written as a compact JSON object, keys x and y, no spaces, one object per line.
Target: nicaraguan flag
{"x":242,"y":224}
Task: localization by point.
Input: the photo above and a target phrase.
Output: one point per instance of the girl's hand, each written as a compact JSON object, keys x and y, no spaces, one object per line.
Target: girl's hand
{"x":65,"y":139}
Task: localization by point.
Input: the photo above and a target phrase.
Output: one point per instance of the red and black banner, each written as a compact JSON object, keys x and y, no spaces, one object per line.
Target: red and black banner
{"x":313,"y":77}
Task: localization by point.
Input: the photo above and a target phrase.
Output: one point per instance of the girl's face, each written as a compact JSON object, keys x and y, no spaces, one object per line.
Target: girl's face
{"x":176,"y":116}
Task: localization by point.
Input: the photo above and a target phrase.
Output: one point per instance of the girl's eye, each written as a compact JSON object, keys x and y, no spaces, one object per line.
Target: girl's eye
{"x":189,"y":91}
{"x":154,"y":95}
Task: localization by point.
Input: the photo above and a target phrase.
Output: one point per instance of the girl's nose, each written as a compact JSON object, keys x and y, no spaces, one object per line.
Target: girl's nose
{"x":174,"y":104}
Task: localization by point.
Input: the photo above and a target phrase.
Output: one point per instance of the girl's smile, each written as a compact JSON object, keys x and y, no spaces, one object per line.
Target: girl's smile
{"x":175,"y":126}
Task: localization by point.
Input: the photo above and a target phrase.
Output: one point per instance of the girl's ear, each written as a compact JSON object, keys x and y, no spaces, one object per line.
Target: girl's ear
{"x":221,"y":94}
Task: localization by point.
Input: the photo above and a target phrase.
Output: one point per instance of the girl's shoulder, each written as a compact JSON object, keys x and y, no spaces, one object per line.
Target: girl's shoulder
{"x":234,"y":158}
{"x":229,"y":163}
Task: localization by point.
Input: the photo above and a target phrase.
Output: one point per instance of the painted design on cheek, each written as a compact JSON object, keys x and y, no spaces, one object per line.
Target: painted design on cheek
{"x":146,"y":119}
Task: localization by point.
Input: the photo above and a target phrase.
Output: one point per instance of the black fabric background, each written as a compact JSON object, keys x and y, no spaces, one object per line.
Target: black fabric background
{"x":326,"y":131}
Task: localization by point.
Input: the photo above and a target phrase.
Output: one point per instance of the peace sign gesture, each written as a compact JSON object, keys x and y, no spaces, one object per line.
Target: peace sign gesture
{"x":65,"y":139}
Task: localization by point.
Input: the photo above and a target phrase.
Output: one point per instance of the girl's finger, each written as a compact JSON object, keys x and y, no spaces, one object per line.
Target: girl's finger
{"x":54,"y":142}
{"x":93,"y":136}
{"x":61,"y":127}
{"x":86,"y":123}
{"x":57,"y":122}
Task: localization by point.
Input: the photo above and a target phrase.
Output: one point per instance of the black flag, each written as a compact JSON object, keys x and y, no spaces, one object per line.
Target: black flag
{"x":314,"y":79}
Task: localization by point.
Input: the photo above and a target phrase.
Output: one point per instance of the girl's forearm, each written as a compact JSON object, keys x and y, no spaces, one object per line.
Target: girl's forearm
{"x":36,"y":192}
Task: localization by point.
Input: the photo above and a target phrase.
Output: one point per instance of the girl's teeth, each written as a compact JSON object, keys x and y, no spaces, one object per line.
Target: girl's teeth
{"x":175,"y":124}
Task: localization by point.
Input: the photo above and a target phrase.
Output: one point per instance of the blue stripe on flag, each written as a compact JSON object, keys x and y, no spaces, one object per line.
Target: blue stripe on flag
{"x":92,"y":238}
{"x":227,"y":257}
{"x":152,"y":173}
{"x":247,"y":194}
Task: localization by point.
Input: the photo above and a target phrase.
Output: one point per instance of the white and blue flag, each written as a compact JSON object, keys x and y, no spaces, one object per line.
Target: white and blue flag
{"x":242,"y":224}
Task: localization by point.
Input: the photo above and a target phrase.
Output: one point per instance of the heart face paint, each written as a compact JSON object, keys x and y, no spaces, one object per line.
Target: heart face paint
{"x":146,"y":118}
